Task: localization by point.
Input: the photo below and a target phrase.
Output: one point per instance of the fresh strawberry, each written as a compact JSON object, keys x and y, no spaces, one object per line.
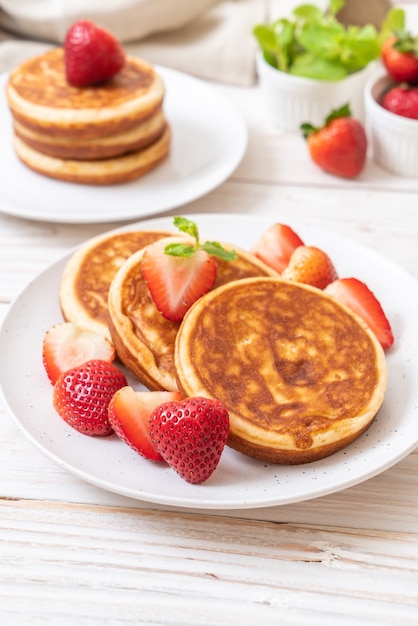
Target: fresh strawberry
{"x":339,"y":147}
{"x":402,"y":100}
{"x":180,"y":273}
{"x":92,"y":54}
{"x":129,"y":412}
{"x":82,"y":394}
{"x":400,"y":57}
{"x":190,"y":436}
{"x":311,"y":266}
{"x":358,"y":297}
{"x":276,"y":245}
{"x":65,"y":346}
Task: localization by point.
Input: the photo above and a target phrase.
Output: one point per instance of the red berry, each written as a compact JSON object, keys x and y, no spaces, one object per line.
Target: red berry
{"x":340,"y":146}
{"x":190,"y":436}
{"x":129,"y":413}
{"x":65,"y":346}
{"x":82,"y":394}
{"x":399,"y":56}
{"x":360,"y":299}
{"x":402,"y":100}
{"x":176,"y":282}
{"x":311,"y":266}
{"x":92,"y":54}
{"x":275,"y":246}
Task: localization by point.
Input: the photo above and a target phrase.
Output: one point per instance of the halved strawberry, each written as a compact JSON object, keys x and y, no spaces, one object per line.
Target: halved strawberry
{"x":128,"y":413}
{"x":65,"y":346}
{"x":275,"y":246}
{"x":82,"y":394}
{"x":180,"y":273}
{"x":359,"y":298}
{"x":311,"y":266}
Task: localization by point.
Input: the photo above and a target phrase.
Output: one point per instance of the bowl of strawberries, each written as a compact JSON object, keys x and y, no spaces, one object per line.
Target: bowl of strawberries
{"x":391,"y":104}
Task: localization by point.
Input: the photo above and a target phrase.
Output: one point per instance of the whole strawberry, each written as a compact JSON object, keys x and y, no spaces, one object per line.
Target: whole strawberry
{"x":92,"y":54}
{"x":311,"y":266}
{"x":190,"y":436}
{"x":400,"y":57}
{"x":82,"y":394}
{"x":340,"y":146}
{"x":402,"y":100}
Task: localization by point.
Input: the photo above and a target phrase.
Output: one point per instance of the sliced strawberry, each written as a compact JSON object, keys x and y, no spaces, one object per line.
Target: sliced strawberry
{"x":92,"y":54}
{"x":65,"y":346}
{"x":275,"y":246}
{"x":129,"y":412}
{"x":358,"y":297}
{"x":82,"y":394}
{"x":311,"y":266}
{"x":176,"y":282}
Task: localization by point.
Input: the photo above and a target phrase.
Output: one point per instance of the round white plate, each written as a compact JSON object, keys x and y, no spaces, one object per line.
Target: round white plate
{"x":238,"y":481}
{"x":209,"y":138}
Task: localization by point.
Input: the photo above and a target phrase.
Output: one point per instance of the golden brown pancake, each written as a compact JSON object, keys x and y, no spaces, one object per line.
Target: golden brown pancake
{"x":41,"y":99}
{"x":111,"y":171}
{"x":143,"y":338}
{"x":300,"y":374}
{"x":145,"y":133}
{"x":89,"y":271}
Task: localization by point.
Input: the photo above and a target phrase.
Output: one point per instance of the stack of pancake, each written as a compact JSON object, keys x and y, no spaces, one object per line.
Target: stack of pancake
{"x":104,"y":134}
{"x":300,"y":374}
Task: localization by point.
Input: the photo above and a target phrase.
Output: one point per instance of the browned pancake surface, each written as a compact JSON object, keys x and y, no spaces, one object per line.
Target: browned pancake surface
{"x":300,"y":375}
{"x":88,"y":273}
{"x":40,"y":97}
{"x":143,"y":338}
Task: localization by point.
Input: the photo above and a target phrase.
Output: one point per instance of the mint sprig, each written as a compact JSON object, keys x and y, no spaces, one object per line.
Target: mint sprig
{"x":314,"y":44}
{"x":186,"y":250}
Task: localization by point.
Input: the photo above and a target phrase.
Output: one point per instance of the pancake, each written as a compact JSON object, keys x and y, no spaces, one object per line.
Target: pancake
{"x":143,"y":338}
{"x":89,"y":271}
{"x":41,"y":99}
{"x":141,"y":136}
{"x":300,"y":374}
{"x":111,"y":171}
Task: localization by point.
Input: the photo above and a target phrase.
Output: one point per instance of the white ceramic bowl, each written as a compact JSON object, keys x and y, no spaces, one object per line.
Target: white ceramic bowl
{"x":291,"y":100}
{"x":393,"y":139}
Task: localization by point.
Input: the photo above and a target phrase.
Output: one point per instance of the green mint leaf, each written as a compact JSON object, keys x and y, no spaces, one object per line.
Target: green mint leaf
{"x":179,"y":249}
{"x":187,"y":226}
{"x":266,"y":38}
{"x":316,"y":37}
{"x":216,"y":249}
{"x":309,"y":13}
{"x":321,"y":41}
{"x":393,"y":22}
{"x":335,"y":6}
{"x":309,"y":66}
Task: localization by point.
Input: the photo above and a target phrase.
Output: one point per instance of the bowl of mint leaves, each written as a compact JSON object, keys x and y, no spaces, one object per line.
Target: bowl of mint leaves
{"x":310,"y":63}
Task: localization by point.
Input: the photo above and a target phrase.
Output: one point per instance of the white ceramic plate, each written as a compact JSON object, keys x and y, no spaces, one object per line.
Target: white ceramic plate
{"x":209,"y":141}
{"x":238,"y":482}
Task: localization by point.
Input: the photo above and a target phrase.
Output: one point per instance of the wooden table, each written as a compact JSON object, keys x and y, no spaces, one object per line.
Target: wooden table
{"x":72,"y":553}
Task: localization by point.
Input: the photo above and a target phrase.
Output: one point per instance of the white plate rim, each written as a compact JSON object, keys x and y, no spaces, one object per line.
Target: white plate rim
{"x":403,"y":437}
{"x":167,"y":187}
